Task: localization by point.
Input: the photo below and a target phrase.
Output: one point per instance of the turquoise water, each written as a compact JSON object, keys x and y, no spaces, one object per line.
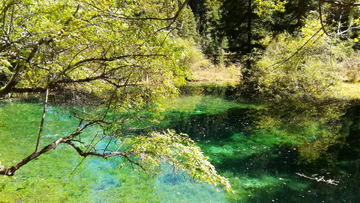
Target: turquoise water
{"x":260,"y":148}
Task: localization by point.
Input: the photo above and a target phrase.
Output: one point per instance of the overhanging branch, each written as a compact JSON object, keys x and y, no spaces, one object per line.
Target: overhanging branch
{"x":341,"y":4}
{"x":173,"y":18}
{"x":94,"y":153}
{"x":10,"y":171}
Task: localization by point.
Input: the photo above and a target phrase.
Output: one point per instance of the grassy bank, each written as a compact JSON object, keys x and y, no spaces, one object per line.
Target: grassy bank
{"x":218,"y":74}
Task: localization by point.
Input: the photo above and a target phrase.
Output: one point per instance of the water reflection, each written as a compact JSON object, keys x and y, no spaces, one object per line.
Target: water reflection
{"x":260,"y":148}
{"x":51,"y":178}
{"x":309,"y":126}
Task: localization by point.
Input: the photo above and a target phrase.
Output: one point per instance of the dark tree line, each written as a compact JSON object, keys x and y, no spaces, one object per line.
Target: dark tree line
{"x":232,"y":25}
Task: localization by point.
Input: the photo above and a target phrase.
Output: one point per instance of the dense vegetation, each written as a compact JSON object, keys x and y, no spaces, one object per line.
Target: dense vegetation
{"x":270,"y":38}
{"x":115,"y":60}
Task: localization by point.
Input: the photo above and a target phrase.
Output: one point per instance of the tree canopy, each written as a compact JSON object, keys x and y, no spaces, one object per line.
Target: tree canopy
{"x":51,"y":44}
{"x":117,"y":56}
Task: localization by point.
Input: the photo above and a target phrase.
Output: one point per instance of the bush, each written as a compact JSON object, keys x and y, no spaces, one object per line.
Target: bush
{"x":306,"y":64}
{"x":202,"y":69}
{"x":351,"y":69}
{"x":194,"y":58}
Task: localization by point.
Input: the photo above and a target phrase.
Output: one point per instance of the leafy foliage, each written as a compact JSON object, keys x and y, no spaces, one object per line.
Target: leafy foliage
{"x":94,"y":45}
{"x":116,"y":58}
{"x":195,"y":59}
{"x":213,"y":44}
{"x":187,"y":26}
{"x":351,"y":69}
{"x":310,"y":126}
{"x":179,"y":151}
{"x":264,"y":6}
{"x":304,"y":65}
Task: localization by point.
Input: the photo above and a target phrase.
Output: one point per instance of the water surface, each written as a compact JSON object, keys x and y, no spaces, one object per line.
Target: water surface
{"x":259,"y":146}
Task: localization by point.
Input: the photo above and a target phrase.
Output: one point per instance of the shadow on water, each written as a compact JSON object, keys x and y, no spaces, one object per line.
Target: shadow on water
{"x":202,"y":126}
{"x":261,"y":148}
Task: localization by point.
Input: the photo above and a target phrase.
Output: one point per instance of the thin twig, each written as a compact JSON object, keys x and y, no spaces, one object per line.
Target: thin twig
{"x":73,"y":171}
{"x":42,"y":121}
{"x":297,"y":51}
{"x":321,"y":19}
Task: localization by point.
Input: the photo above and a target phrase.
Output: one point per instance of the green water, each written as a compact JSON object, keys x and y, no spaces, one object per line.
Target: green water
{"x":260,"y":148}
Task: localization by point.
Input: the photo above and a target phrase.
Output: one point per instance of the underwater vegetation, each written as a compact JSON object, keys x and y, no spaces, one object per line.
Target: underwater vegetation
{"x":260,"y":148}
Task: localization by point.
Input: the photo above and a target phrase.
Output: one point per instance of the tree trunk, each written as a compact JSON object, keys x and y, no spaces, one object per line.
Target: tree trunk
{"x":301,"y":12}
{"x":249,"y":38}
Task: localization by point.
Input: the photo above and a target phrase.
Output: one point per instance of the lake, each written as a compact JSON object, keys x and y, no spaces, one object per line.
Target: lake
{"x":288,"y":151}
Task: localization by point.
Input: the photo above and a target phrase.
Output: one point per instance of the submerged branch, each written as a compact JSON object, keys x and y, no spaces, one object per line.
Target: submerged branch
{"x":320,"y":179}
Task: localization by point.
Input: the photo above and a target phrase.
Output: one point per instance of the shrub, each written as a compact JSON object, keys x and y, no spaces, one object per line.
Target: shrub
{"x":351,"y":69}
{"x":194,"y":58}
{"x":306,"y":64}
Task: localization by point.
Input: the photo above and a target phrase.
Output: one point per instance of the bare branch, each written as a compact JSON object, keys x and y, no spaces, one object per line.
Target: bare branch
{"x":297,"y":51}
{"x":321,"y":19}
{"x":73,"y":15}
{"x":11,"y":170}
{"x":42,"y":120}
{"x":341,"y":4}
{"x":94,"y":153}
{"x":136,"y":163}
{"x":78,"y":165}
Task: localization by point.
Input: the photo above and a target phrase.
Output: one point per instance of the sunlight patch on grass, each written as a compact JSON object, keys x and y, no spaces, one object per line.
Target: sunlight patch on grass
{"x":231,"y":74}
{"x":349,"y":91}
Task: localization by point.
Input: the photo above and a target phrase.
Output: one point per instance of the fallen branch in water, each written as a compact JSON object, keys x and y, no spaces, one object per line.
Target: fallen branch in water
{"x":320,"y":179}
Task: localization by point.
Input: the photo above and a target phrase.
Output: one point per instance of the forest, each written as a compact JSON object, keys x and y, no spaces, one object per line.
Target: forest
{"x":168,"y":92}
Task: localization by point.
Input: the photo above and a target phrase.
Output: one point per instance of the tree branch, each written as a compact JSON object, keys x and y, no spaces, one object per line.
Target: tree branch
{"x":321,"y":19}
{"x":10,"y":171}
{"x":297,"y":51}
{"x":7,"y":88}
{"x":173,"y":18}
{"x":42,"y":120}
{"x":22,"y":90}
{"x":94,"y":153}
{"x":112,"y":59}
{"x":341,"y":4}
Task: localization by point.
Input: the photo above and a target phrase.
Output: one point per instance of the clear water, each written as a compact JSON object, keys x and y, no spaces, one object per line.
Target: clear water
{"x":260,"y":148}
